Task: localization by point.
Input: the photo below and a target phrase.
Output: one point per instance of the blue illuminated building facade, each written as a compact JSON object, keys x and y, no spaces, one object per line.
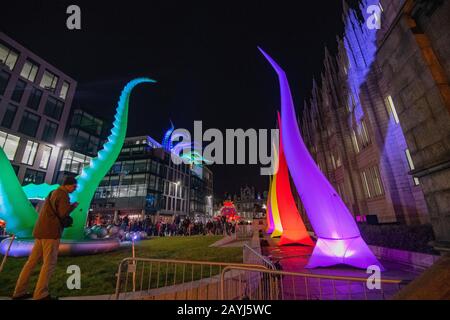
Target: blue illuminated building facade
{"x":378,"y":120}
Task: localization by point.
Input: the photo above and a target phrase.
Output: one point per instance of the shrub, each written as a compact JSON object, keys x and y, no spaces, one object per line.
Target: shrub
{"x":410,"y":238}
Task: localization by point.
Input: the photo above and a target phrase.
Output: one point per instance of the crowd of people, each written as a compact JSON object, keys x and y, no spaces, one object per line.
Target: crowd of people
{"x":176,"y":227}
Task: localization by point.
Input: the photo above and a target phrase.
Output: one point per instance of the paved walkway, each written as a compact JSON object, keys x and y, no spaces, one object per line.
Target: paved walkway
{"x":295,"y":257}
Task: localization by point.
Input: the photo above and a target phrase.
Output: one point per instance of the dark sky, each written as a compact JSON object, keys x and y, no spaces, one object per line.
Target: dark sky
{"x":202,"y":53}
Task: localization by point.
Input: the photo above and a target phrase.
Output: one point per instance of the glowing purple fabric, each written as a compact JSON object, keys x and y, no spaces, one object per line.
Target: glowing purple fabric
{"x":339,"y":237}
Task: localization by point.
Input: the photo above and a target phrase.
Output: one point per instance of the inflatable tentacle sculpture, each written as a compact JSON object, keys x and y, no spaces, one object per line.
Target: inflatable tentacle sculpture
{"x":294,"y":230}
{"x":269,"y":216}
{"x":339,"y":239}
{"x":91,"y":176}
{"x":278,"y":227}
{"x":15,"y":207}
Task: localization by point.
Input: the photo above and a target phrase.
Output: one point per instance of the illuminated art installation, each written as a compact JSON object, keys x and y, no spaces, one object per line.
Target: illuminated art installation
{"x":15,"y":208}
{"x":167,"y":142}
{"x":229,"y":211}
{"x":269,"y":215}
{"x":278,"y":227}
{"x":339,"y":239}
{"x":294,"y":230}
{"x":18,"y":212}
{"x":91,"y":176}
{"x":192,"y":156}
{"x":39,"y":191}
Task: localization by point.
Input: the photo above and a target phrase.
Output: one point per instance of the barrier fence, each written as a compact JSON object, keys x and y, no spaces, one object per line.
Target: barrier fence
{"x":145,"y":278}
{"x":272,"y":284}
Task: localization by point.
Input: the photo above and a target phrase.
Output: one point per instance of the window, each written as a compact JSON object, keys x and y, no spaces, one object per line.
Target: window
{"x":19,"y":90}
{"x":49,"y":81}
{"x":29,"y":123}
{"x":46,"y":154}
{"x":54,"y":108}
{"x":50,"y":130}
{"x":34,"y":99}
{"x":64,"y":90}
{"x":9,"y":144}
{"x":391,"y":109}
{"x":127,"y":167}
{"x":30,"y":153}
{"x":373,"y":186}
{"x":29,"y":70}
{"x":93,"y":145}
{"x":8,"y":56}
{"x":33,"y":176}
{"x":139,"y":178}
{"x":140,"y":166}
{"x":116,"y":168}
{"x":363,"y":134}
{"x":411,"y":166}
{"x":355,"y":141}
{"x":9,"y":116}
{"x":74,"y":162}
{"x":4,"y":79}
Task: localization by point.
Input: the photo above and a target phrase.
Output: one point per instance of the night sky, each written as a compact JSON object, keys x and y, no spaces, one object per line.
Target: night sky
{"x":202,"y":53}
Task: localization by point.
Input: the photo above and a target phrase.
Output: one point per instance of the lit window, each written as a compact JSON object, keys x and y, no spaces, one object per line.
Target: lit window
{"x":9,"y":144}
{"x":46,"y":154}
{"x":49,"y":81}
{"x":64,"y":90}
{"x":411,"y":165}
{"x":355,"y":141}
{"x":29,"y":70}
{"x":30,"y":152}
{"x":372,"y":183}
{"x":366,"y":184}
{"x":8,"y":57}
{"x":391,"y":109}
{"x":74,"y":162}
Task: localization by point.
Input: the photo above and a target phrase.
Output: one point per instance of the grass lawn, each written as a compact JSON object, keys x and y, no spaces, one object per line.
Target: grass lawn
{"x":98,"y":271}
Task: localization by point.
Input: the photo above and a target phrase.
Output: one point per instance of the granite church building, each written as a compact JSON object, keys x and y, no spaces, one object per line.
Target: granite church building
{"x":378,"y":120}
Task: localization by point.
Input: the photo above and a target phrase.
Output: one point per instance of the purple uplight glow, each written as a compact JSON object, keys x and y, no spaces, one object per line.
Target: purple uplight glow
{"x":339,"y":240}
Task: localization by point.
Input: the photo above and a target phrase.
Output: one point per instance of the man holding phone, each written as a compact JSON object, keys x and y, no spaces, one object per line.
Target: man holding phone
{"x":47,"y":233}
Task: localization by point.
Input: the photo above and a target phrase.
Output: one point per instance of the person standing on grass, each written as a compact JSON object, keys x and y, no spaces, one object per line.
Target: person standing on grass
{"x":47,"y":233}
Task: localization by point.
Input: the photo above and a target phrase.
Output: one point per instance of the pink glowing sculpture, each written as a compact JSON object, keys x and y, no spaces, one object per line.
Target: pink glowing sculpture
{"x":339,"y":240}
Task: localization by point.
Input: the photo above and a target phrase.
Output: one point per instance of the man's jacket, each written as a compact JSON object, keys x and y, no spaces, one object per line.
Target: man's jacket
{"x":48,"y":226}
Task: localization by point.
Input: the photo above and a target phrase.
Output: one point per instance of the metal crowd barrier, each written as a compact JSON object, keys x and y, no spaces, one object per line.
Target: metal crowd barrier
{"x":283,"y":285}
{"x":160,"y":279}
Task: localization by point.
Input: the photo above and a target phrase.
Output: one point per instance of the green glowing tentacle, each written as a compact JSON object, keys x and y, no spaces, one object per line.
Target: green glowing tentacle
{"x":91,"y":176}
{"x":39,"y":191}
{"x":15,"y":208}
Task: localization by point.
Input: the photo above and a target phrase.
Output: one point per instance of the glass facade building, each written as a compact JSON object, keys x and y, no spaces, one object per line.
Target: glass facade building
{"x":35,"y":102}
